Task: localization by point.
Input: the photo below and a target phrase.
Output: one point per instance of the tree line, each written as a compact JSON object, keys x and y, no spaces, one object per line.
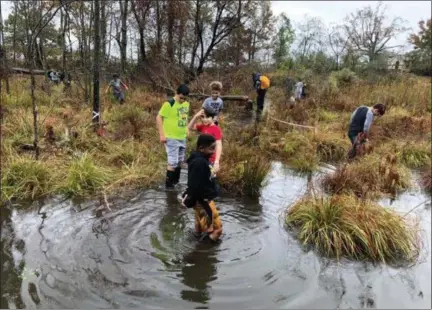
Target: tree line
{"x":150,"y":36}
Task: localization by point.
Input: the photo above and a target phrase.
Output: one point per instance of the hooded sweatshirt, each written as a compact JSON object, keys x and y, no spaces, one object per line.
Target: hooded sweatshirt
{"x":200,"y":184}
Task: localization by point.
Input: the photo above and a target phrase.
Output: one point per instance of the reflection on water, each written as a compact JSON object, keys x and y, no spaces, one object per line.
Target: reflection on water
{"x":198,"y":271}
{"x":143,"y":252}
{"x":10,"y":274}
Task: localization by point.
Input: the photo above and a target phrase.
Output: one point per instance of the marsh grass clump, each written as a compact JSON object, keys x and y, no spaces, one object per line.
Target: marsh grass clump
{"x":84,"y":177}
{"x":26,"y":178}
{"x":135,"y":165}
{"x":344,"y":226}
{"x":415,"y":155}
{"x":123,"y":154}
{"x":331,"y":147}
{"x":300,"y":152}
{"x":243,"y":171}
{"x":400,"y":125}
{"x":368,"y":177}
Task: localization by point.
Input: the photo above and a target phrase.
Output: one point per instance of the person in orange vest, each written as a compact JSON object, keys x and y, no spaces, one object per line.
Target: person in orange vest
{"x":261,"y":84}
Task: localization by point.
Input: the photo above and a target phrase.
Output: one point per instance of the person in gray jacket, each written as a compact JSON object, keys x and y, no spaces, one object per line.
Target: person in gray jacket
{"x":362,"y":119}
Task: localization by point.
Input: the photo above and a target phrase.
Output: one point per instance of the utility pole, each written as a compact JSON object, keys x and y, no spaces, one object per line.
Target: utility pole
{"x":96,"y":66}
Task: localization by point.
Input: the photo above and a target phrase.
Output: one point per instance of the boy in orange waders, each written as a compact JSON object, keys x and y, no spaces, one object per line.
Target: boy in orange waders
{"x":201,"y":190}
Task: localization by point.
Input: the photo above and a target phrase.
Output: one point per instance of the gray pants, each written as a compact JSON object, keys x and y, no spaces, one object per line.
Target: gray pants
{"x":176,"y":150}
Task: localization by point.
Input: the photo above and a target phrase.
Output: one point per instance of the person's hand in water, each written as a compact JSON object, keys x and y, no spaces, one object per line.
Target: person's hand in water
{"x":210,"y":229}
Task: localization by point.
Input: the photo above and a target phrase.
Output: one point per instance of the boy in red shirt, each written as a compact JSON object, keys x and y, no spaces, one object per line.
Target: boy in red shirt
{"x":208,"y":126}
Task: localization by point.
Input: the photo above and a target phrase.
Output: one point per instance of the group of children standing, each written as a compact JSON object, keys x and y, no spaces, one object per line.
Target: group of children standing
{"x":203,"y":163}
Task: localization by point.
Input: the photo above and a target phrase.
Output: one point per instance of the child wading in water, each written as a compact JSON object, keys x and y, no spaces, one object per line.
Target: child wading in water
{"x":172,"y":122}
{"x":214,"y":102}
{"x":201,"y":191}
{"x":117,"y":84}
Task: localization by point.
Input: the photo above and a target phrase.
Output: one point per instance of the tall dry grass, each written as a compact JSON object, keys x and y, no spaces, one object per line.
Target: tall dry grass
{"x":242,"y":171}
{"x":132,"y":153}
{"x":369,"y":177}
{"x":343,"y":226}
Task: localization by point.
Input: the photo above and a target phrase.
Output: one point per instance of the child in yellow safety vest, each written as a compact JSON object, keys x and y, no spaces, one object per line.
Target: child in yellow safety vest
{"x":261,"y":84}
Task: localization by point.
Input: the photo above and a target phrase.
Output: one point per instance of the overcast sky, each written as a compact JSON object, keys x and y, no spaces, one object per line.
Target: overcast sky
{"x":335,"y":11}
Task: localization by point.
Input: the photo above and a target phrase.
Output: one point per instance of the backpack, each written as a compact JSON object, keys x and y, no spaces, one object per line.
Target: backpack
{"x":265,"y":82}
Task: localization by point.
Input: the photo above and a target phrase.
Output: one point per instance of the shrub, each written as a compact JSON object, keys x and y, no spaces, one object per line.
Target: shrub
{"x":343,"y":226}
{"x":342,"y":78}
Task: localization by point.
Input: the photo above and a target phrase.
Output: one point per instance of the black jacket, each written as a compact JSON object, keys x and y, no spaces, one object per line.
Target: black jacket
{"x":201,"y":187}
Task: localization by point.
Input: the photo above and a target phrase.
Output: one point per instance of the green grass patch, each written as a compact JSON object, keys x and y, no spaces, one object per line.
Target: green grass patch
{"x":26,"y":178}
{"x":85,"y":177}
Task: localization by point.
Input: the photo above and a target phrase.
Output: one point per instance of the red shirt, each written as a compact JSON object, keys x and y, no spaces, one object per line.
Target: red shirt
{"x":212,"y":130}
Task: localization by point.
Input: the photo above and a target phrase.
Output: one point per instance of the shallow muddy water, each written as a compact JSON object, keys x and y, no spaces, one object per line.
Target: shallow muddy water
{"x":142,"y":254}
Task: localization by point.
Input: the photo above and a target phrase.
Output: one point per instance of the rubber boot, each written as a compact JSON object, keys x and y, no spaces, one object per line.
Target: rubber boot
{"x":177,"y":172}
{"x":170,"y":175}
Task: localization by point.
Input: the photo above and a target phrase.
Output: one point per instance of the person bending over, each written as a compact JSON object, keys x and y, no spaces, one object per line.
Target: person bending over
{"x":360,"y":124}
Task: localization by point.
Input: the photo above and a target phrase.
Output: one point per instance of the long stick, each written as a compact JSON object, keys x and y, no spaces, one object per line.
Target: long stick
{"x":416,"y":207}
{"x":293,"y":124}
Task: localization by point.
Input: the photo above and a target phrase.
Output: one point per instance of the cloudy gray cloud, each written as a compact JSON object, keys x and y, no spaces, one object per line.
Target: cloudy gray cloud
{"x":335,"y":11}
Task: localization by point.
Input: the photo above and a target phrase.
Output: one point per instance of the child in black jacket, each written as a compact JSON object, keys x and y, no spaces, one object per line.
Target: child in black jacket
{"x":201,"y":189}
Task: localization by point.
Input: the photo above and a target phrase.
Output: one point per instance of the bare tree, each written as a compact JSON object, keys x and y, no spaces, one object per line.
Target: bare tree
{"x":337,"y":42}
{"x":309,"y":36}
{"x":225,"y":17}
{"x":36,"y":31}
{"x":141,"y":9}
{"x":123,"y":43}
{"x":369,"y":33}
